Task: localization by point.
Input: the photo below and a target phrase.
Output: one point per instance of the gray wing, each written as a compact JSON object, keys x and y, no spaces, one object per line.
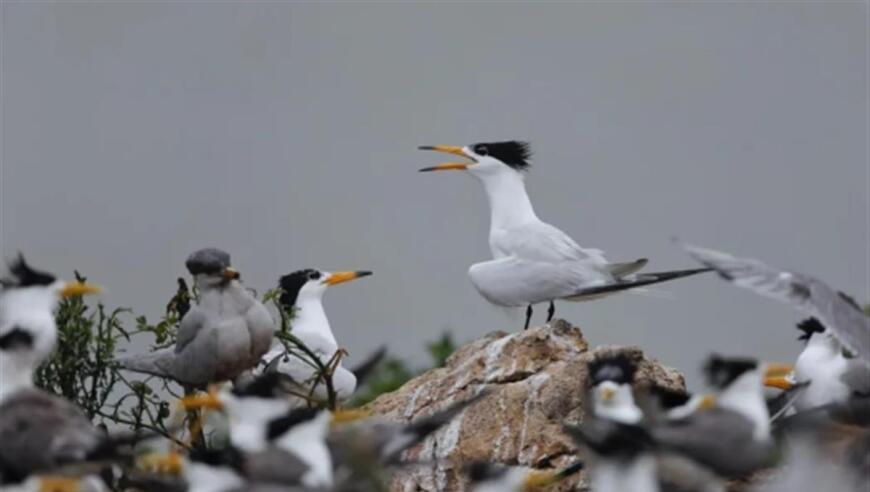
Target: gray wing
{"x":40,"y":431}
{"x":540,"y":241}
{"x":261,"y":326}
{"x":713,"y":438}
{"x":857,"y":377}
{"x":807,"y":294}
{"x":191,"y":324}
{"x":274,"y":466}
{"x":514,"y":281}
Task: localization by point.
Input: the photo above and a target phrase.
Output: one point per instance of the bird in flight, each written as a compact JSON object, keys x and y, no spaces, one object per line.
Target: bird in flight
{"x":533,"y":261}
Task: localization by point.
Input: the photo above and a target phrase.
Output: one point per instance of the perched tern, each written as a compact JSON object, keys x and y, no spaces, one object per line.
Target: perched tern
{"x":28,"y":331}
{"x":836,"y":311}
{"x":534,"y":261}
{"x":488,"y":477}
{"x":610,"y":380}
{"x":738,"y":421}
{"x":222,"y":336}
{"x":303,"y":295}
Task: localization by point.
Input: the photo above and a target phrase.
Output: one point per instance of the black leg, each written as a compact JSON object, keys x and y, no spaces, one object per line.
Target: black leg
{"x":551,"y":312}
{"x":528,"y":316}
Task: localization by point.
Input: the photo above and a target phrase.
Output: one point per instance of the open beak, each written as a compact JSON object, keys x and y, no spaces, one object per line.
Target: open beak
{"x":231,"y":273}
{"x":73,"y":289}
{"x":447,"y":166}
{"x":777,"y":370}
{"x":199,"y":401}
{"x":341,"y":277}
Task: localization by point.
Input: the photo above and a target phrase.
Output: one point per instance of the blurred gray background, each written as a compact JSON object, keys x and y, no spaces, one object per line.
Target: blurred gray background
{"x":135,"y":133}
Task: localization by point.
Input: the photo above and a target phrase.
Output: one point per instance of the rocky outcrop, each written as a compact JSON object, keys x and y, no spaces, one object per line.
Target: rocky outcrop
{"x":536,"y":381}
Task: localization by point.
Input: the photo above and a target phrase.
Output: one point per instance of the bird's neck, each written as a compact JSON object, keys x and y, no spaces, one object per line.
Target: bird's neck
{"x":13,"y":377}
{"x":310,"y":323}
{"x":745,"y":397}
{"x":509,"y":203}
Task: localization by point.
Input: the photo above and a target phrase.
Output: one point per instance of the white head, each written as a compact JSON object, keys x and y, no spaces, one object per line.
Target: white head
{"x":488,"y":160}
{"x":28,"y":331}
{"x":739,"y":384}
{"x":610,"y":381}
{"x":309,"y":284}
{"x":211,"y":268}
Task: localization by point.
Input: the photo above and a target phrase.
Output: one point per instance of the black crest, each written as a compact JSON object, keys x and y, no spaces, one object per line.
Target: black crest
{"x":292,"y":283}
{"x":229,"y":456}
{"x":278,"y":427}
{"x":269,"y":385}
{"x":25,"y":276}
{"x":514,"y":153}
{"x":207,"y":261}
{"x":722,"y":371}
{"x":616,"y":368}
{"x":808,"y":327}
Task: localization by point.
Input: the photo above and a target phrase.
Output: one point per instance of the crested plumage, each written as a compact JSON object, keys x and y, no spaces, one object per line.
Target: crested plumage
{"x":207,"y":261}
{"x":281,"y":425}
{"x":514,"y":153}
{"x":23,"y":275}
{"x":722,"y":371}
{"x":291,"y":284}
{"x":616,"y":368}
{"x":808,"y":327}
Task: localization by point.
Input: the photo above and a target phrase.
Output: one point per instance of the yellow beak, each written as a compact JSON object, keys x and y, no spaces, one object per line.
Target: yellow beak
{"x":231,"y":273}
{"x":782,"y":383}
{"x":341,"y":277}
{"x":447,"y":166}
{"x":58,"y":484}
{"x":347,"y":416}
{"x":73,"y":289}
{"x":707,"y":402}
{"x":777,"y":370}
{"x":538,"y":479}
{"x":165,"y":464}
{"x":607,"y":394}
{"x":199,"y":401}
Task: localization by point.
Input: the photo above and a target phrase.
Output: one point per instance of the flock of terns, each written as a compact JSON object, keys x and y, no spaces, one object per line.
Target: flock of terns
{"x":230,"y":363}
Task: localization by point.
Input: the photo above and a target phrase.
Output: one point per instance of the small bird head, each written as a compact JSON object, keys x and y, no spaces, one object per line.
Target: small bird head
{"x":33,"y":282}
{"x":486,"y":159}
{"x":610,"y":378}
{"x":310,"y":283}
{"x":210,"y":268}
{"x":725,"y":372}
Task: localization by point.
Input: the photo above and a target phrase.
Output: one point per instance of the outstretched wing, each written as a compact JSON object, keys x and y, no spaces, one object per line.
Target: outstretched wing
{"x":836,"y":311}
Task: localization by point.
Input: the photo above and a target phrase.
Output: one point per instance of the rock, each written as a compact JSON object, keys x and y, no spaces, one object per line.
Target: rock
{"x":537,"y":381}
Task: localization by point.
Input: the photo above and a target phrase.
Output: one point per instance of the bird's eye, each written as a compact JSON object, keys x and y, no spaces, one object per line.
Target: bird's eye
{"x":481,"y":150}
{"x":314,"y":275}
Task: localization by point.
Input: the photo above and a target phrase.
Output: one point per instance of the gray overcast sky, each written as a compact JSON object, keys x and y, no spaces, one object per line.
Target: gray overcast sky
{"x":285,"y":133}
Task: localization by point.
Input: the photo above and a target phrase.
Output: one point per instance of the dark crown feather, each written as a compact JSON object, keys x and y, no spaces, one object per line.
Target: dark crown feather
{"x":722,"y":371}
{"x":25,"y":276}
{"x":617,"y":368}
{"x":514,"y":153}
{"x":808,"y":327}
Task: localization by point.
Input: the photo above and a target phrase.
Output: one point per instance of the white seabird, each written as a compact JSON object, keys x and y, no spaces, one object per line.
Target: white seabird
{"x":534,"y":261}
{"x":302,"y":294}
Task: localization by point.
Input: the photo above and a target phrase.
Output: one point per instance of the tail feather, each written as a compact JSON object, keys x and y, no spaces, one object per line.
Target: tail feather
{"x":638,"y":281}
{"x":156,"y":363}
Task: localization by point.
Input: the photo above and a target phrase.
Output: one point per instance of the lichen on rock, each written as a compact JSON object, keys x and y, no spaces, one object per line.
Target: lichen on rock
{"x":536,"y":381}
